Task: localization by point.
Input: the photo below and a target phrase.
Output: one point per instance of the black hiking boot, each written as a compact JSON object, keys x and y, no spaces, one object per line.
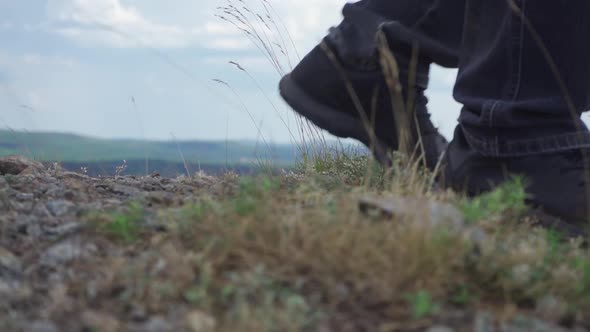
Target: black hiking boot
{"x":555,"y":183}
{"x":340,"y":87}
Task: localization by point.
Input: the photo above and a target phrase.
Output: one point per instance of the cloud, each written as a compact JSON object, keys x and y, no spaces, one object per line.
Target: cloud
{"x":110,"y":23}
{"x":6,"y":26}
{"x":119,"y":24}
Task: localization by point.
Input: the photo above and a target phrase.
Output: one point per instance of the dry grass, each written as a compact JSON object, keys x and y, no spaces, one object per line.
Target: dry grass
{"x":294,"y":253}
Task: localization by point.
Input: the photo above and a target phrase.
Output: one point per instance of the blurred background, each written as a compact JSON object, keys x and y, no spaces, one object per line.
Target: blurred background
{"x":155,"y":85}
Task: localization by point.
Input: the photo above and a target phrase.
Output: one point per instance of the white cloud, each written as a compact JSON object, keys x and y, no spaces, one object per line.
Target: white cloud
{"x":126,"y":24}
{"x":110,"y":23}
{"x":6,"y":26}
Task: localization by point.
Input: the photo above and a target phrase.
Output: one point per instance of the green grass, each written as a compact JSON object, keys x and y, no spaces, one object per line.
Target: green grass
{"x":288,"y":252}
{"x":509,"y":197}
{"x":122,"y":226}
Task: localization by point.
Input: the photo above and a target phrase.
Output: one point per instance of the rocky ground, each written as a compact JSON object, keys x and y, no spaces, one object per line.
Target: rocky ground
{"x":57,"y":267}
{"x":45,"y":244}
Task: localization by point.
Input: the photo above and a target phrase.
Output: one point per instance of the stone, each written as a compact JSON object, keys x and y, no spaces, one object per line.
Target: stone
{"x":198,"y":321}
{"x":62,"y":253}
{"x":62,"y":229}
{"x":11,"y":277}
{"x":484,"y":322}
{"x":528,"y":324}
{"x":551,"y":308}
{"x":25,"y":196}
{"x":440,"y":329}
{"x":97,"y":321}
{"x":15,"y":165}
{"x":9,"y":262}
{"x":73,"y":175}
{"x":160,"y":198}
{"x":126,"y":191}
{"x":59,"y":208}
{"x":154,"y":324}
{"x":40,"y":210}
{"x":434,"y":213}
{"x":43,"y":326}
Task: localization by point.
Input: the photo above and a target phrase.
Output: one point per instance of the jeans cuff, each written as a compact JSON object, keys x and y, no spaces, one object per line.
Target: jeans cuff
{"x":496,"y":146}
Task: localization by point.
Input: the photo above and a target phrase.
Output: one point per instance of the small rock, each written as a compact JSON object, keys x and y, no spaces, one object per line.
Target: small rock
{"x":138,"y":312}
{"x":62,"y":253}
{"x":125,"y":191}
{"x":25,"y":197}
{"x":96,"y":321}
{"x":198,"y":321}
{"x":59,"y":208}
{"x":42,"y":326}
{"x":440,"y":329}
{"x":112,"y":202}
{"x":527,"y":324}
{"x":551,"y":308}
{"x":74,"y":175}
{"x":9,"y":262}
{"x":11,"y":283}
{"x":435,"y":213}
{"x":154,"y":324}
{"x":40,"y":210}
{"x":24,"y":207}
{"x":161,"y":198}
{"x":15,"y":165}
{"x":55,"y":192}
{"x":484,"y":322}
{"x":63,"y":229}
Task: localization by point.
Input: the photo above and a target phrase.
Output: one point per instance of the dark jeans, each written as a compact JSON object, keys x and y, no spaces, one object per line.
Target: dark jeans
{"x":523,"y":82}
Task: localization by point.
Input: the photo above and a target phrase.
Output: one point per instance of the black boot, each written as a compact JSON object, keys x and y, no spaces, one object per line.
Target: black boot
{"x":340,"y":86}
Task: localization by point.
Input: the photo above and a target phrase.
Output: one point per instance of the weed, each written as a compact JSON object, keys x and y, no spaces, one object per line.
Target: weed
{"x":422,"y":304}
{"x":126,"y":226}
{"x":252,"y":191}
{"x":463,"y":296}
{"x":510,"y":196}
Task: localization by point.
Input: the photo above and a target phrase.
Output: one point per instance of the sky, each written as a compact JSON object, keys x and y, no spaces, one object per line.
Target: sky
{"x":153,"y":69}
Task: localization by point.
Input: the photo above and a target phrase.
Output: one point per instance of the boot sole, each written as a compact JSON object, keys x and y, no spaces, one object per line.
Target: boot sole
{"x":330,"y":119}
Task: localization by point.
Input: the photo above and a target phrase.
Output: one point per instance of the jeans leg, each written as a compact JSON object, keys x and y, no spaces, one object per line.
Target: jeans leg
{"x":436,"y":26}
{"x":524,"y":81}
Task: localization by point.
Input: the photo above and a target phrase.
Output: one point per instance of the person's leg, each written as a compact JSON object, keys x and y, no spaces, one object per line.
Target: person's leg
{"x":340,"y":83}
{"x":523,"y":84}
{"x":521,"y":88}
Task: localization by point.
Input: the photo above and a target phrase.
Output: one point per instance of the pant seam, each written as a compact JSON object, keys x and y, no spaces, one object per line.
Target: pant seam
{"x":428,"y":12}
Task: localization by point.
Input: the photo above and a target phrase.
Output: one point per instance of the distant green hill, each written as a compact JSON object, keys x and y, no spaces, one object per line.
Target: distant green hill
{"x":102,"y":155}
{"x":75,"y":148}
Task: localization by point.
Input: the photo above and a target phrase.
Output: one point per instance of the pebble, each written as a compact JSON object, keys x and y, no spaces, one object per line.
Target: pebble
{"x":484,"y":322}
{"x":435,"y":214}
{"x":59,"y":208}
{"x":25,"y":196}
{"x":62,"y":253}
{"x":11,"y":283}
{"x":42,"y":326}
{"x":198,"y":321}
{"x":97,"y":321}
{"x":9,"y":262}
{"x":440,"y":329}
{"x":551,"y":308}
{"x":154,"y":324}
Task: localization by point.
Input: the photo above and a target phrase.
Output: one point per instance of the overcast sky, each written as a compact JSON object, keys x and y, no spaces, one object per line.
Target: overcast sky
{"x":145,"y":68}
